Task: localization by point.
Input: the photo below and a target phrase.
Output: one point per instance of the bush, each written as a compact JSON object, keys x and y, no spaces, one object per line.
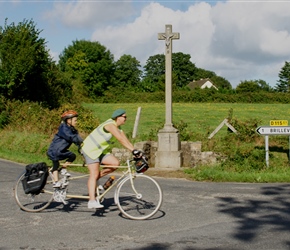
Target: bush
{"x":196,"y":95}
{"x":33,"y":117}
{"x":4,"y":114}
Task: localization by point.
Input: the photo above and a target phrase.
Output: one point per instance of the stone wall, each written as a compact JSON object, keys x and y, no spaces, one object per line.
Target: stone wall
{"x":192,"y":155}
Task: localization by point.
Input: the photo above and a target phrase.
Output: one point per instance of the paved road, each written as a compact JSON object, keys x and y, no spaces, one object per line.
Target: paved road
{"x":193,"y":216}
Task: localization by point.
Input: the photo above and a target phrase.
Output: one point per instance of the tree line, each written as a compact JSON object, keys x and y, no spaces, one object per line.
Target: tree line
{"x":86,"y":71}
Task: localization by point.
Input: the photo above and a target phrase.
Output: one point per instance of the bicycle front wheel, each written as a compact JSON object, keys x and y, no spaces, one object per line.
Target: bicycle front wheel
{"x":32,"y":203}
{"x":138,"y":198}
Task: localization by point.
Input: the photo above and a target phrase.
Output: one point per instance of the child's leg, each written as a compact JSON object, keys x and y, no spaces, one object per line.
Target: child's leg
{"x":55,"y":176}
{"x":55,"y":166}
{"x":69,"y":160}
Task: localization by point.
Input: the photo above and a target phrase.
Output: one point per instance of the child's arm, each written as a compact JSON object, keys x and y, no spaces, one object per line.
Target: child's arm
{"x":69,"y":134}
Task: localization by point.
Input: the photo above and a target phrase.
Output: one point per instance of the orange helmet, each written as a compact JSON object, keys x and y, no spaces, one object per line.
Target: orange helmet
{"x":69,"y":114}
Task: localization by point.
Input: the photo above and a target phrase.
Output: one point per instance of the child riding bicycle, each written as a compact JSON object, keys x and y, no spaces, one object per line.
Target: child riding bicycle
{"x":58,"y":149}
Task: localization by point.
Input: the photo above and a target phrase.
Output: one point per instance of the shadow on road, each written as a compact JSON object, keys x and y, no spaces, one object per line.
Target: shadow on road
{"x":77,"y":205}
{"x":256,"y":215}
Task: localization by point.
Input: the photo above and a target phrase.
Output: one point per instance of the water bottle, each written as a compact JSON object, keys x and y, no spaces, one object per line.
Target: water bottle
{"x":109,"y":182}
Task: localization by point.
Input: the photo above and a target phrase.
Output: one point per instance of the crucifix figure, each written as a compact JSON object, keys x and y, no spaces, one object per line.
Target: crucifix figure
{"x":168,"y":36}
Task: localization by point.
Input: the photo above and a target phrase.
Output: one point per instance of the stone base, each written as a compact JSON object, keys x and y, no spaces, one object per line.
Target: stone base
{"x":191,"y":155}
{"x":168,"y":141}
{"x":168,"y":160}
{"x":169,"y":153}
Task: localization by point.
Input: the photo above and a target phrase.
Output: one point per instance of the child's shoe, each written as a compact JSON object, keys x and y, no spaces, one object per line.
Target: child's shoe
{"x":64,"y":172}
{"x":56,"y":184}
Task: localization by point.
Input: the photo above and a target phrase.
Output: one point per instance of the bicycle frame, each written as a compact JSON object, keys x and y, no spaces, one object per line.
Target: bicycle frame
{"x":128,"y":172}
{"x":137,"y":196}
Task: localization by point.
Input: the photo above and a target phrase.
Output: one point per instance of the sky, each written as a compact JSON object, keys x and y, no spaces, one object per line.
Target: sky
{"x":238,"y":40}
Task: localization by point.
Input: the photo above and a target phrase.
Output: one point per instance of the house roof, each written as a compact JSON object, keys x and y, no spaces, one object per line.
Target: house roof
{"x":200,"y":83}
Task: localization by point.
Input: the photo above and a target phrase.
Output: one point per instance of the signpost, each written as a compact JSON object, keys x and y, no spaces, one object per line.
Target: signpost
{"x":273,"y":130}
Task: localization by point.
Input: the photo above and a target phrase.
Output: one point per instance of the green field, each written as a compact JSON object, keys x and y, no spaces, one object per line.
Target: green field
{"x":200,"y":117}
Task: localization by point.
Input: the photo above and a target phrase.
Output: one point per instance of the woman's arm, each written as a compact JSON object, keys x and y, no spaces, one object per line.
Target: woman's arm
{"x":120,"y":136}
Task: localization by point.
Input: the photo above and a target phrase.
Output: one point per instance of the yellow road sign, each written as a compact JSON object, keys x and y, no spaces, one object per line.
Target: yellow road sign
{"x":278,"y":123}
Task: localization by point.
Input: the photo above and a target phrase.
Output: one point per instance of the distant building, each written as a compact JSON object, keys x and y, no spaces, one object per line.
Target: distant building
{"x":202,"y":83}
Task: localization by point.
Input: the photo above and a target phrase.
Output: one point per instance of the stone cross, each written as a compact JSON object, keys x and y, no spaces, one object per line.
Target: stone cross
{"x":168,"y":36}
{"x":169,"y":153}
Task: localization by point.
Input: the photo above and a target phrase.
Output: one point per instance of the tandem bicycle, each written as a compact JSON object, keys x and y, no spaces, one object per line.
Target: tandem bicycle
{"x":137,"y":196}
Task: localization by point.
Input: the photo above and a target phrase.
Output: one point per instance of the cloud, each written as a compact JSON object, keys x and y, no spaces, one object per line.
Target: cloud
{"x":238,"y":40}
{"x":90,"y":14}
{"x":252,"y":36}
{"x":250,"y":31}
{"x":275,"y":42}
{"x":140,"y":37}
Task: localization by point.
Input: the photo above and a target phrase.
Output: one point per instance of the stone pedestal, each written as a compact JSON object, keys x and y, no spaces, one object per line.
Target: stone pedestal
{"x":168,"y":155}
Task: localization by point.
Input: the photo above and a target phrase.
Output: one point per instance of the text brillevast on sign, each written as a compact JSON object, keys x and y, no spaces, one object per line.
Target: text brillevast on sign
{"x":271,"y":130}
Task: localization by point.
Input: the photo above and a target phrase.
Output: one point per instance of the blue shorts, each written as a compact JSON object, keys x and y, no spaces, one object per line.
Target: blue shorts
{"x":89,"y":160}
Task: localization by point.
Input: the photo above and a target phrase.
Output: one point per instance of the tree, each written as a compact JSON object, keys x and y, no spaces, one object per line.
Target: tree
{"x":253,"y":86}
{"x":25,"y":66}
{"x":283,"y":84}
{"x":183,"y":71}
{"x":127,"y":73}
{"x":154,"y":71}
{"x":155,"y":67}
{"x":90,"y":62}
{"x":247,"y":86}
{"x":264,"y":86}
{"x":59,"y":87}
{"x":218,"y":81}
{"x":221,"y":82}
{"x":203,"y":74}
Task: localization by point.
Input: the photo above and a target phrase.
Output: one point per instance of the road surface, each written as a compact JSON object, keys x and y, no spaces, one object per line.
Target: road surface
{"x":194,"y":215}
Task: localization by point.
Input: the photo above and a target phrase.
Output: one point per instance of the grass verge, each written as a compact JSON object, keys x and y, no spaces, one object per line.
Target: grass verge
{"x":244,"y":153}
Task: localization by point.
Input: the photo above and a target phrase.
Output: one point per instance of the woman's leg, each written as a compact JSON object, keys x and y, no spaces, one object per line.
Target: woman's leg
{"x":109,"y":160}
{"x":94,"y":175}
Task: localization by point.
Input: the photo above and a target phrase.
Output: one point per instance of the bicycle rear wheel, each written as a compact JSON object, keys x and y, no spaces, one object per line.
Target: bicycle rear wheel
{"x":140,"y":198}
{"x":32,"y":203}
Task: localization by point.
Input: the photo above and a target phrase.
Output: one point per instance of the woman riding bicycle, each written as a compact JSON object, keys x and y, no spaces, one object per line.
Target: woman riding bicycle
{"x":95,"y":151}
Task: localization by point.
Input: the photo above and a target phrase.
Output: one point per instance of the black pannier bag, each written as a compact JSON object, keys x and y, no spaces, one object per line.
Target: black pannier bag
{"x":35,"y":178}
{"x":141,"y":164}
